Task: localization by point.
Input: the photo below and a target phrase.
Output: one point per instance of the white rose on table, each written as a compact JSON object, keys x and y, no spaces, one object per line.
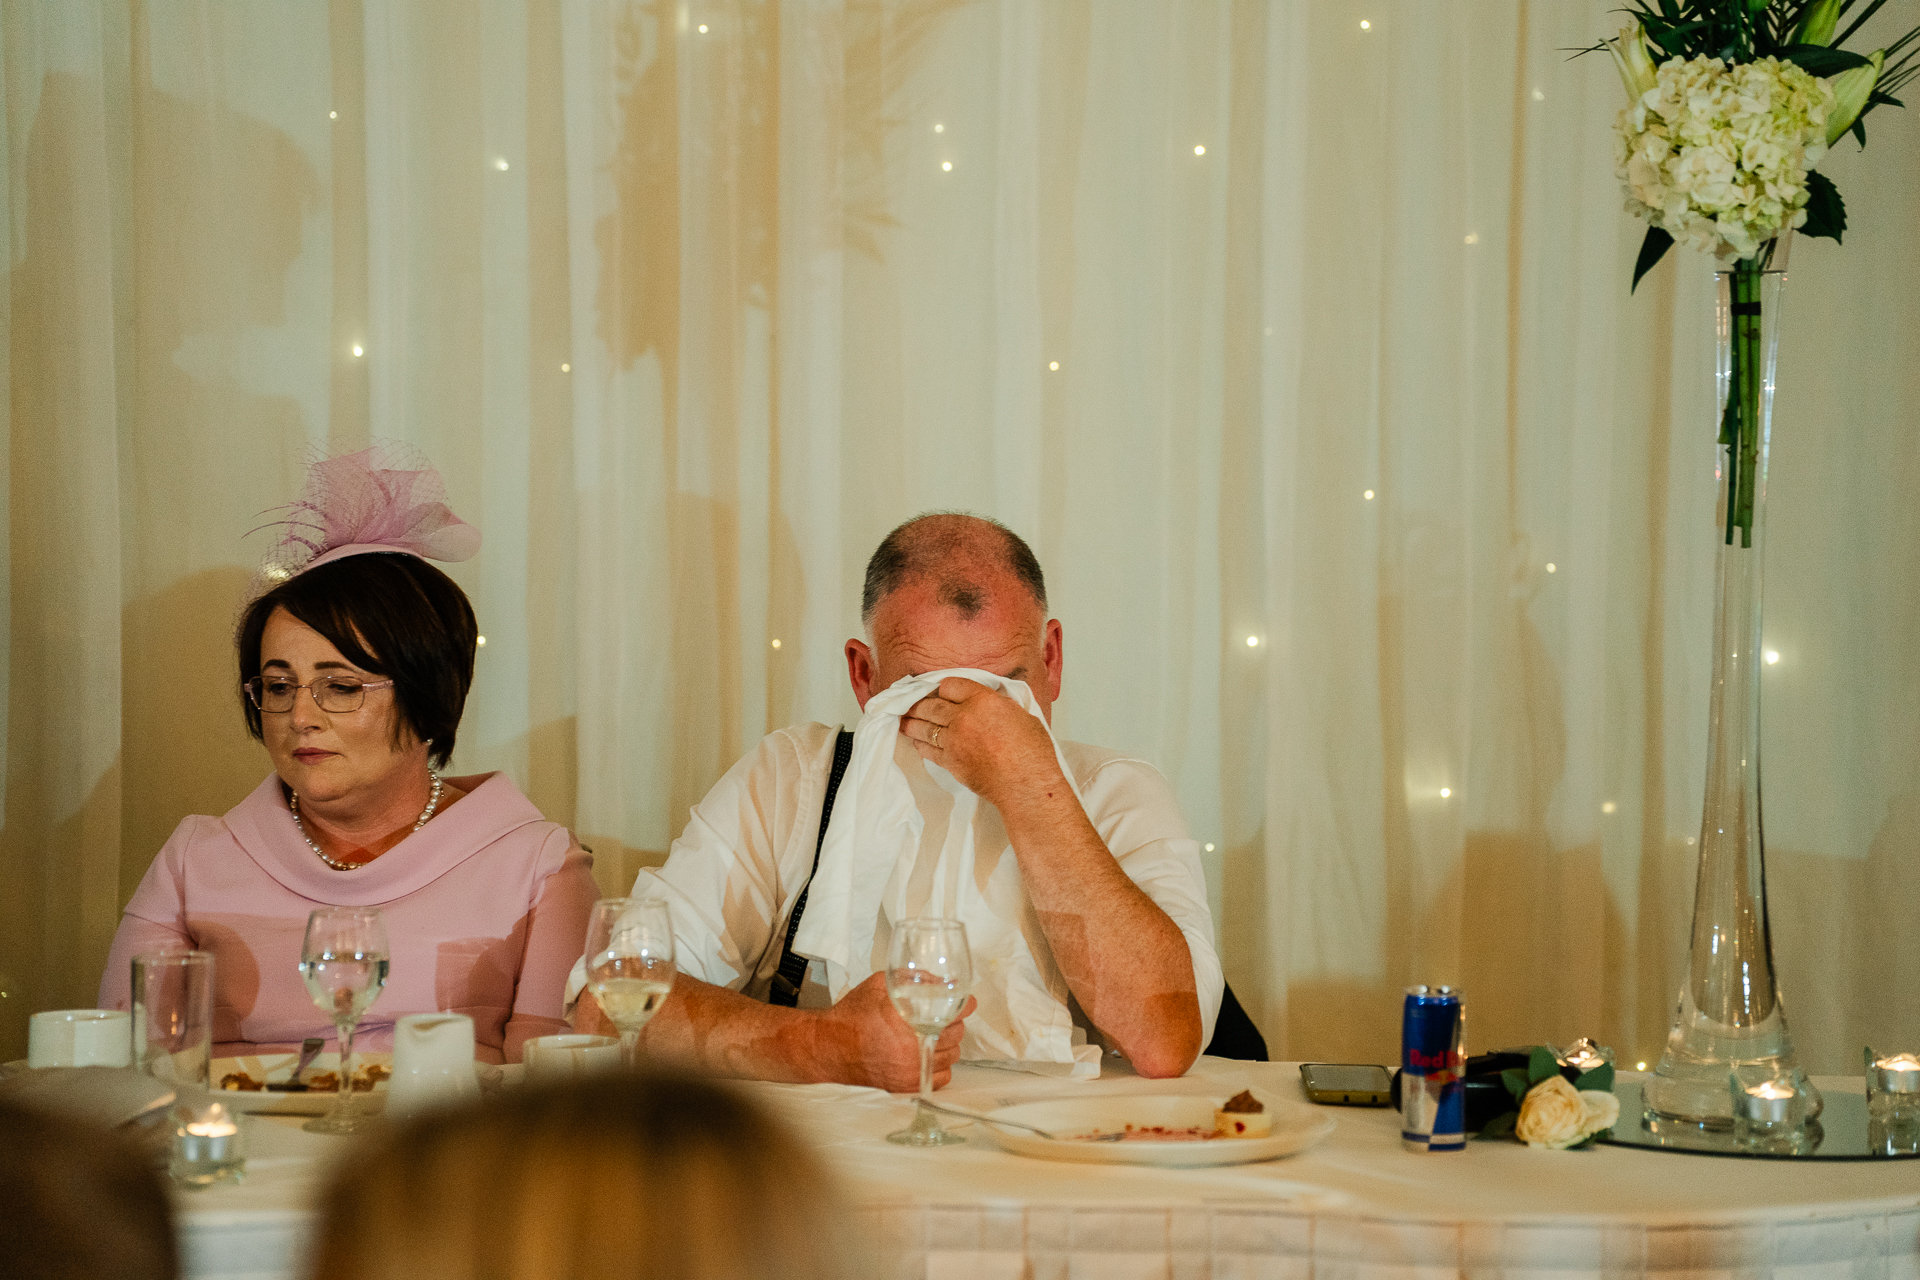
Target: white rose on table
{"x":1556,"y":1115}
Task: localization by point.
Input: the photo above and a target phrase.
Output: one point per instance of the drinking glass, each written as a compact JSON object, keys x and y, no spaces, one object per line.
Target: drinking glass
{"x":929,"y":972}
{"x":172,"y":1024}
{"x":630,"y":964}
{"x":344,"y":962}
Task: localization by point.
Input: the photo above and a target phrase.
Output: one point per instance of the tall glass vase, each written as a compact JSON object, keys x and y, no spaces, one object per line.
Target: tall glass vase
{"x":1729,"y":1017}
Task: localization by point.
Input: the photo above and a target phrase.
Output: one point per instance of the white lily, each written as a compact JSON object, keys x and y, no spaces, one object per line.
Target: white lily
{"x":1631,"y":59}
{"x":1817,"y":26}
{"x":1851,"y":89}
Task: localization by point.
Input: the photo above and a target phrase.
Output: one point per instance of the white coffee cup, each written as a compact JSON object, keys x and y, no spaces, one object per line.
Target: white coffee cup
{"x":79,"y":1038}
{"x":550,"y":1059}
{"x":432,"y":1062}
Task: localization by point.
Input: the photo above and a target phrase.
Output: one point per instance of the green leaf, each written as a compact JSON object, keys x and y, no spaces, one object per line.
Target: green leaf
{"x":1500,"y":1126}
{"x":1859,"y":130}
{"x":1541,"y":1064}
{"x":1600,"y":1079}
{"x":1652,"y":249}
{"x":1516,"y":1081}
{"x":1818,"y":60}
{"x":1826,"y":212}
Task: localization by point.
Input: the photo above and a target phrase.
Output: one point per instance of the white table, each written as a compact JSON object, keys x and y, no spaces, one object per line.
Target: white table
{"x":1358,"y":1207}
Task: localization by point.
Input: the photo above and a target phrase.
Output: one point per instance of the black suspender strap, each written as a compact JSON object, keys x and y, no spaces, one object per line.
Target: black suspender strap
{"x":793,"y":968}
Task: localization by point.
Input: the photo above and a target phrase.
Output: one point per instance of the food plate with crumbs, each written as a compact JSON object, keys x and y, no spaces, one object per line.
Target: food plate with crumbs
{"x":242,"y":1083}
{"x":1170,"y":1130}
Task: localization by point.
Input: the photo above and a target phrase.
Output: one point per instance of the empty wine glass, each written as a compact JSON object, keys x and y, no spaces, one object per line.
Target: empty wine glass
{"x":630,"y":964}
{"x":344,"y":962}
{"x":929,"y":972}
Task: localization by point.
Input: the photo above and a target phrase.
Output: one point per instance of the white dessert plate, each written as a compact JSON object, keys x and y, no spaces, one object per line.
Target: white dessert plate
{"x":1296,"y":1126}
{"x":276,"y":1068}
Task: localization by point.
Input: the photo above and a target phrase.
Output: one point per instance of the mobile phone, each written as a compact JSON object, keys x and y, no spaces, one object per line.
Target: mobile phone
{"x":1346,"y":1084}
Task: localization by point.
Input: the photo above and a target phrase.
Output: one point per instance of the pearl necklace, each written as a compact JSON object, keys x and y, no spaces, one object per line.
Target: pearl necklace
{"x":293,"y":803}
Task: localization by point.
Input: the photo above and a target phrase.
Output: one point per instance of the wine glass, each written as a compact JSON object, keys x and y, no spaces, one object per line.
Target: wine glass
{"x":929,"y":971}
{"x":630,"y":964}
{"x":344,"y":962}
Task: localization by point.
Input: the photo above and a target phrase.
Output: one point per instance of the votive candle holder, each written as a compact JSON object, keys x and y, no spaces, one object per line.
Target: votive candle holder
{"x":209,"y":1145}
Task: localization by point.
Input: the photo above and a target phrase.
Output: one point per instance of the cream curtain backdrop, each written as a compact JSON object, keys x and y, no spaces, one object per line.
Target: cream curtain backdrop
{"x":1376,"y":510}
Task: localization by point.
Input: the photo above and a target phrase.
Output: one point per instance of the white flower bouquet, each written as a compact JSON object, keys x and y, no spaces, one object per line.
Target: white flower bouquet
{"x":1554,"y":1111}
{"x":1718,"y":147}
{"x":1719,"y":156}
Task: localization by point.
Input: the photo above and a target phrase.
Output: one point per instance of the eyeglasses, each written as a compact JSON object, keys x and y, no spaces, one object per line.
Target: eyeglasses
{"x":335,"y":694}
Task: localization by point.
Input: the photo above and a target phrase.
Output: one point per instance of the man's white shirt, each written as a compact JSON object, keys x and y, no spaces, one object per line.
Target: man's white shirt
{"x":734,"y":874}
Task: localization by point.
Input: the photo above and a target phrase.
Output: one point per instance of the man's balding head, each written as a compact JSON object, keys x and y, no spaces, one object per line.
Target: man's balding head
{"x":949,"y":590}
{"x":967,"y":558}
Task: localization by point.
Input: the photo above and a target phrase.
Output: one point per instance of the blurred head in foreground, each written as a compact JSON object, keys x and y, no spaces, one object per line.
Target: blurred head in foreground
{"x":77,"y":1201}
{"x":648,"y":1177}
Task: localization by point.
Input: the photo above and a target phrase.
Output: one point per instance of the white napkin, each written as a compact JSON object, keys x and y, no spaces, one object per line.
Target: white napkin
{"x":871,"y":875}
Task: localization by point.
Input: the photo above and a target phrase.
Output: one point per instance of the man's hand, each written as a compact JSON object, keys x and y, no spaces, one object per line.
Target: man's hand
{"x":992,"y":744}
{"x":867,"y":1043}
{"x":589,"y":1019}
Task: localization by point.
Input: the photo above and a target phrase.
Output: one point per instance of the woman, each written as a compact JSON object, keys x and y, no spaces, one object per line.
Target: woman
{"x":78,"y":1200}
{"x":354,"y":671}
{"x":665,"y":1177}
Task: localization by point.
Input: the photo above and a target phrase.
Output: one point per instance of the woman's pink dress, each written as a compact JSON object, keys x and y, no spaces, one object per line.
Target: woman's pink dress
{"x":486,"y":909}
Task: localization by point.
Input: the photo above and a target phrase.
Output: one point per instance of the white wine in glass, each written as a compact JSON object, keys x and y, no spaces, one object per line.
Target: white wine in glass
{"x":929,"y":972}
{"x":344,"y":962}
{"x":630,"y":964}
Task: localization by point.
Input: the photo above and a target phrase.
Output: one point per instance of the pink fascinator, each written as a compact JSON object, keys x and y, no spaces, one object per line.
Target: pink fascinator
{"x":386,"y":497}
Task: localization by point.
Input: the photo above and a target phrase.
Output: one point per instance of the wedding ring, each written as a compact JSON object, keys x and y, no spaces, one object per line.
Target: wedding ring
{"x":935,"y":736}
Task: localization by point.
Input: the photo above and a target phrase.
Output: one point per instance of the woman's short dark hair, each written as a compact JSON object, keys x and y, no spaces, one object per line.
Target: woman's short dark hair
{"x":391,"y":614}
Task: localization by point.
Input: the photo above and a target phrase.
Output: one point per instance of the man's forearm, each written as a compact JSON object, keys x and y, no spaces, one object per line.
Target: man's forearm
{"x":860,"y":1040}
{"x":715,"y":1031}
{"x":1124,"y":958}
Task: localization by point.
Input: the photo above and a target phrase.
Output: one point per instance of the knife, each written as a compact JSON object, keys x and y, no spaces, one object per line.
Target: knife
{"x":309,"y":1049}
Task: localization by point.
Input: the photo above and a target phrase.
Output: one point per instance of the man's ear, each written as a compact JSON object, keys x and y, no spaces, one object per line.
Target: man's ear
{"x":860,"y":671}
{"x":1053,"y":652}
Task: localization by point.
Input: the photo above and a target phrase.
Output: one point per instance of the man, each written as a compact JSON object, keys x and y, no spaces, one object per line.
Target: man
{"x":1115,"y":884}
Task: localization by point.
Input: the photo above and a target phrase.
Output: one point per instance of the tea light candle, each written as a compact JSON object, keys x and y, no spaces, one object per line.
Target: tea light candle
{"x":208,"y":1145}
{"x":1897,"y":1073}
{"x":1768,"y":1102}
{"x":1584,"y":1055}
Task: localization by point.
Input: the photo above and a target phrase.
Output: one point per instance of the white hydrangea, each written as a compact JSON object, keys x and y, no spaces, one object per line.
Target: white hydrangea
{"x":1717,"y":156}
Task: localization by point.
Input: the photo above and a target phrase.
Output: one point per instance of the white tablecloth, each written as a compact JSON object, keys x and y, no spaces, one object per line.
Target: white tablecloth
{"x":1358,"y":1207}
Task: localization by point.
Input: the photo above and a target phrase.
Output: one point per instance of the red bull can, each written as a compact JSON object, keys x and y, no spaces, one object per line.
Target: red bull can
{"x":1433,"y":1063}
